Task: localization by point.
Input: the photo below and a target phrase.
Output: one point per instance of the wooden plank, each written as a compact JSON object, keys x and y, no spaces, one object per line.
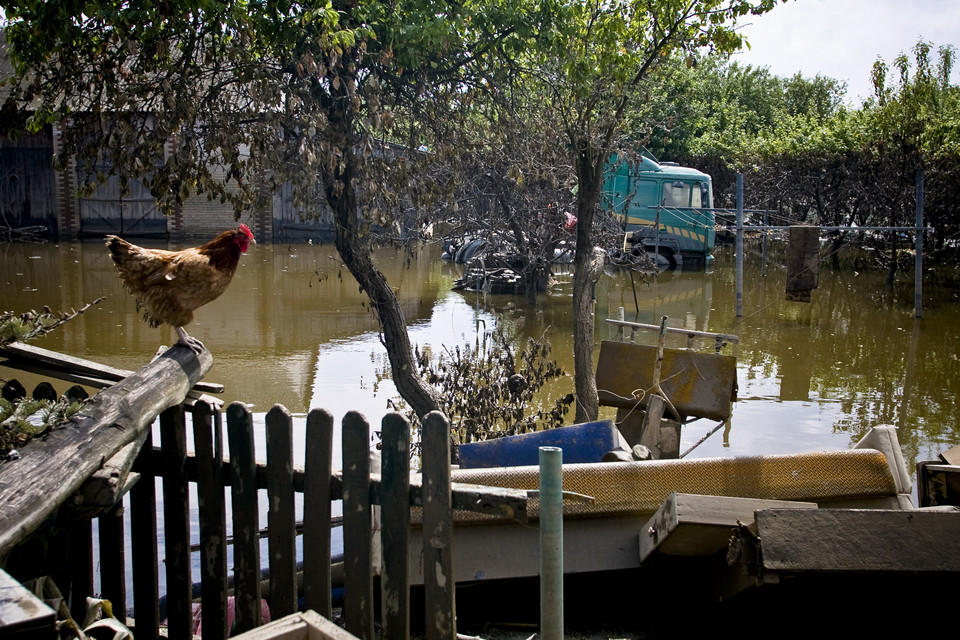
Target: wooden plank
{"x":207,"y":440}
{"x":357,"y":560}
{"x":176,"y":522}
{"x":698,"y":384}
{"x":281,"y":517}
{"x":106,"y":487}
{"x":81,"y":568}
{"x":143,"y":548}
{"x":308,"y":625}
{"x":439,"y":586}
{"x":690,"y":333}
{"x":22,"y":614}
{"x":395,"y":533}
{"x":113,"y":583}
{"x":951,"y":456}
{"x":650,"y":435}
{"x":937,"y":484}
{"x":696,"y":525}
{"x":859,"y":540}
{"x":20,"y":352}
{"x":318,"y":456}
{"x":803,"y":262}
{"x":246,"y":517}
{"x":51,"y":470}
{"x":491,"y":550}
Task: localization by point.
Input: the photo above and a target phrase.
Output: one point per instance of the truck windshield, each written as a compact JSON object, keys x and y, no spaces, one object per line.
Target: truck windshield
{"x":682,"y":194}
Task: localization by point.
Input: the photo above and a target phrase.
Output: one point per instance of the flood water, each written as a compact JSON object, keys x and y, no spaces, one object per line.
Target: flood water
{"x":293,"y":329}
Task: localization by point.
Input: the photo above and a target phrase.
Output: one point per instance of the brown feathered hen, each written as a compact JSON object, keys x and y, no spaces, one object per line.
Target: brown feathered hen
{"x":170,"y":285}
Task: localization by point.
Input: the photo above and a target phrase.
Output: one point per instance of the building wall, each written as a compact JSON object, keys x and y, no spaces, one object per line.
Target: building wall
{"x":198,"y":218}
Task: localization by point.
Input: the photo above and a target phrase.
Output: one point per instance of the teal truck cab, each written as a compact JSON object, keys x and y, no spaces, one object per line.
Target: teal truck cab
{"x":666,"y":210}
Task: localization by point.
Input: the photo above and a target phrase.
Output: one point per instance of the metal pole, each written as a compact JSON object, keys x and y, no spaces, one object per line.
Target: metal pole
{"x":918,"y":240}
{"x":763,"y":261}
{"x":551,"y":543}
{"x":739,"y":245}
{"x":656,"y":245}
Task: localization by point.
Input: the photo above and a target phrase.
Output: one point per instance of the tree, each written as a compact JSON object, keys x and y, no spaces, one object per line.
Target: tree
{"x":915,"y":126}
{"x":187,"y":96}
{"x":592,"y":68}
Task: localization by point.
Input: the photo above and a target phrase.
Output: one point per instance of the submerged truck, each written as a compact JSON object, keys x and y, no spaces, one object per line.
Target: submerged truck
{"x":666,"y":210}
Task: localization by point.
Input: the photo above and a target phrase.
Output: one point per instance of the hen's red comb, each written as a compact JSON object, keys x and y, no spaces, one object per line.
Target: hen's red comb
{"x":246,"y":230}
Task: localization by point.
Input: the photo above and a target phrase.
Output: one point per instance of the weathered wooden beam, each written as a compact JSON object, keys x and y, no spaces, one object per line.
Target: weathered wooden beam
{"x":317,"y":522}
{"x":143,"y":547}
{"x":281,"y":514}
{"x":36,"y":360}
{"x":865,"y":540}
{"x":104,"y":489}
{"x":208,"y":440}
{"x":358,"y":611}
{"x":697,"y":525}
{"x":53,"y":468}
{"x":176,"y":522}
{"x":438,"y":584}
{"x":22,"y":614}
{"x":511,"y":503}
{"x":395,"y":532}
{"x":246,"y":517}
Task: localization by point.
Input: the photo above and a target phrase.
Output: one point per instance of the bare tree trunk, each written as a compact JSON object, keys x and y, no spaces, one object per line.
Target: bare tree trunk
{"x":356,"y":254}
{"x":587,"y":266}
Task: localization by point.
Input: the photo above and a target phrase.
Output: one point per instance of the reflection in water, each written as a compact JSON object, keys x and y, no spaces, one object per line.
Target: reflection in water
{"x":293,"y":328}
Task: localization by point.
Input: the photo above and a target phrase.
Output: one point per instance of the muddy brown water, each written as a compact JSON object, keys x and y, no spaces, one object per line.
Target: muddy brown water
{"x":294,"y":329}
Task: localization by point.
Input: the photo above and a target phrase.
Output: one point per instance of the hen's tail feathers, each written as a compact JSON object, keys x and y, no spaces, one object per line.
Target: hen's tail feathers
{"x":119,"y":248}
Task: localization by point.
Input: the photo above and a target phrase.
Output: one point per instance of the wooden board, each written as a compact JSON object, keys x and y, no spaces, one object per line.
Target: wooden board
{"x":938,"y":484}
{"x":490,"y":550}
{"x":308,"y":625}
{"x":53,"y":468}
{"x":698,"y":384}
{"x":695,"y":525}
{"x":859,"y":540}
{"x":22,"y":614}
{"x":951,"y":455}
{"x":87,"y":372}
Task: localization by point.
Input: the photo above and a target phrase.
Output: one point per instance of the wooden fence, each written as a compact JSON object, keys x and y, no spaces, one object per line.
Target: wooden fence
{"x":360,"y":488}
{"x":107,"y":451}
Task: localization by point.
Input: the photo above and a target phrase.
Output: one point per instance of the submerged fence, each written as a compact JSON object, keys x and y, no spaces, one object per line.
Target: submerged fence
{"x":278,"y":580}
{"x":105,"y":452}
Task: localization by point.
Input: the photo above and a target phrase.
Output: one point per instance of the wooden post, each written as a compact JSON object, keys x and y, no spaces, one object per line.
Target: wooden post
{"x":81,"y":567}
{"x":54,"y":468}
{"x":143,"y":546}
{"x":357,"y":527}
{"x":439,"y":587}
{"x":918,"y":240}
{"x":113,"y":561}
{"x":803,"y":263}
{"x":208,"y":444}
{"x":246,"y":517}
{"x":281,"y":518}
{"x":395,"y":533}
{"x":176,"y":522}
{"x":316,"y":512}
{"x":739,"y":246}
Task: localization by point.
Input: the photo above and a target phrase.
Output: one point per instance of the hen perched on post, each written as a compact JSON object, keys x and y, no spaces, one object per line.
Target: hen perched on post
{"x":170,"y":285}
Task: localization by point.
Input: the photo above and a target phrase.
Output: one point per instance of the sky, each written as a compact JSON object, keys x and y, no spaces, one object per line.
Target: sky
{"x":843,"y":38}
